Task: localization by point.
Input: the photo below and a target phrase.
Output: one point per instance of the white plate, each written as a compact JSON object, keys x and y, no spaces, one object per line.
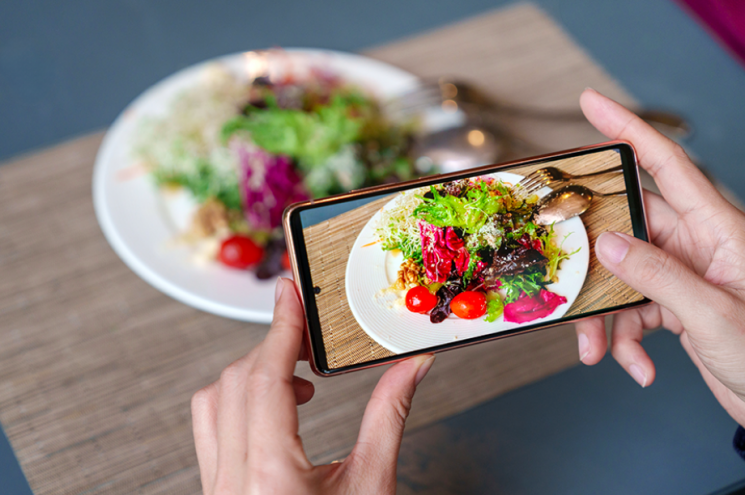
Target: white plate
{"x":139,"y":224}
{"x":371,"y":269}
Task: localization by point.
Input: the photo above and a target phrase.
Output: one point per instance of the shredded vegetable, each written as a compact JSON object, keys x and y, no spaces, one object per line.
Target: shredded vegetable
{"x":477,"y":236}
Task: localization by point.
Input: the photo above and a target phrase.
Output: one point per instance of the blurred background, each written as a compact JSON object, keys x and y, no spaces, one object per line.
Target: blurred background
{"x":68,"y":69}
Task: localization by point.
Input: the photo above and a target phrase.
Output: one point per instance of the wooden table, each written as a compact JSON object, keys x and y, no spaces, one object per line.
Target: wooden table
{"x":97,"y":368}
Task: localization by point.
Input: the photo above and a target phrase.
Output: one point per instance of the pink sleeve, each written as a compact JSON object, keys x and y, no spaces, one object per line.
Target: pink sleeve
{"x":725,"y":19}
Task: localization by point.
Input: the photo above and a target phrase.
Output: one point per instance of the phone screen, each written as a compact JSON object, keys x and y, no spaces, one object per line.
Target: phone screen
{"x":447,"y":262}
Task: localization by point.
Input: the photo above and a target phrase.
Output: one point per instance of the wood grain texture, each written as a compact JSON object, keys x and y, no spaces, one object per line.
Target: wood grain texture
{"x":330,"y":242}
{"x":97,"y":368}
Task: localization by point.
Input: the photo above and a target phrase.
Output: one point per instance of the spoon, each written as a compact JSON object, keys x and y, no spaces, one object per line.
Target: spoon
{"x":567,"y":202}
{"x":433,"y":92}
{"x":457,"y":148}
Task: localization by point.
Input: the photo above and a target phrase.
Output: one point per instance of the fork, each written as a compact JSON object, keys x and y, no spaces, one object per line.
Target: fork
{"x":434,"y":92}
{"x":549,"y":176}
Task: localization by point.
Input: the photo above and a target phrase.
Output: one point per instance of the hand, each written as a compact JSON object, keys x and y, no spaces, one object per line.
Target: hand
{"x":694,"y":268}
{"x":246,"y":423}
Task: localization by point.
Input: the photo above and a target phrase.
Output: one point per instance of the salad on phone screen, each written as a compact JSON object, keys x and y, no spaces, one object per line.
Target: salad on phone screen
{"x":471,"y":249}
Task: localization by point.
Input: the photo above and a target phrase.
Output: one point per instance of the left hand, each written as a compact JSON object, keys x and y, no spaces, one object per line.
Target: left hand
{"x":246,"y":423}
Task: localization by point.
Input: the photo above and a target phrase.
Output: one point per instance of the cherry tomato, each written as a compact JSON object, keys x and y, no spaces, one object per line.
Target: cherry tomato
{"x":286,"y":261}
{"x":469,"y":305}
{"x":420,"y":300}
{"x":240,"y":252}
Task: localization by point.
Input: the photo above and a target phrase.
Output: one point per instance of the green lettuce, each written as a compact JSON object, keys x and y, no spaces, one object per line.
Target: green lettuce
{"x":311,"y":138}
{"x":528,"y":283}
{"x":469,"y":212}
{"x":494,"y":306}
{"x":203,"y":182}
{"x":554,"y":252}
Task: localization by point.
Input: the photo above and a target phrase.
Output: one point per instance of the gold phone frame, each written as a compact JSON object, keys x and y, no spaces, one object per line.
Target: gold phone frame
{"x":438,"y":178}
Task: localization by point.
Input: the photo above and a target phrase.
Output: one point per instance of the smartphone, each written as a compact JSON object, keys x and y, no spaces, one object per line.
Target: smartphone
{"x":451,"y":260}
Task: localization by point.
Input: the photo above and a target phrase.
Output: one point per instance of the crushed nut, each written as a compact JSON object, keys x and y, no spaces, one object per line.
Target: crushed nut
{"x":408,"y":275}
{"x":211,"y":218}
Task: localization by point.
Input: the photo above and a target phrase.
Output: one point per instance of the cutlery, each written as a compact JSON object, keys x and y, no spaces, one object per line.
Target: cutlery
{"x":567,"y":202}
{"x":455,"y":93}
{"x":457,"y":148}
{"x":550,"y":176}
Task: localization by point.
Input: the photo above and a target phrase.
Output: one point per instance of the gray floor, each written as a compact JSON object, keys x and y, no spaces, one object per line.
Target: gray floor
{"x":67,"y":68}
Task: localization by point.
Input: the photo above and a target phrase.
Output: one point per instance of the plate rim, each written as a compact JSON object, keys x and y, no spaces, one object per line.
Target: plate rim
{"x":120,"y":245}
{"x":387,"y":345}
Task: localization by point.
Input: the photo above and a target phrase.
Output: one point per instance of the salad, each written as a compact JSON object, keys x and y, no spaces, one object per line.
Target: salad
{"x":471,"y":249}
{"x":245,"y":150}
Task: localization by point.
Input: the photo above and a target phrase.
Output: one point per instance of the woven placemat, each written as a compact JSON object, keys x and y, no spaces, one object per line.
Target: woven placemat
{"x":330,"y":242}
{"x":97,"y":368}
{"x":328,"y":245}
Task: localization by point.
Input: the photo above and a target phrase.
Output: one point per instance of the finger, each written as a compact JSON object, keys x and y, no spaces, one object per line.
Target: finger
{"x":591,"y":340}
{"x":666,"y":280}
{"x":384,"y":419}
{"x":682,"y":184}
{"x":304,"y":390}
{"x":626,"y":347}
{"x":282,"y":347}
{"x":730,"y":401}
{"x":670,"y":321}
{"x":232,"y":427}
{"x":303,"y":356}
{"x":661,"y":218}
{"x":273,"y":403}
{"x":204,"y":424}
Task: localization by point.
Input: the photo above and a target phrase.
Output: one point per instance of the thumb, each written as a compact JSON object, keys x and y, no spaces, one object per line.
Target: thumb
{"x":385,"y":416}
{"x":660,"y":277}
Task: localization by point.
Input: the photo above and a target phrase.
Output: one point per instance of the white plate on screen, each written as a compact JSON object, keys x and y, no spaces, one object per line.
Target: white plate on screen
{"x":371,"y":269}
{"x":140,"y":223}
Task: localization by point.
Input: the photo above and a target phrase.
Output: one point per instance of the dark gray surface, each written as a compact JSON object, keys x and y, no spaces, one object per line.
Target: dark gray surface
{"x":665,"y":59}
{"x":69,"y":67}
{"x":588,"y":430}
{"x":12,"y":480}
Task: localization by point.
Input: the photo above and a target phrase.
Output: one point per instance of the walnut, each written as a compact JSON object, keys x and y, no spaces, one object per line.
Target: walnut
{"x":408,"y":275}
{"x":211,"y":218}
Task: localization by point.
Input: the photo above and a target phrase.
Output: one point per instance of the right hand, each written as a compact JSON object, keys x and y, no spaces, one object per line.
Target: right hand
{"x":694,"y":268}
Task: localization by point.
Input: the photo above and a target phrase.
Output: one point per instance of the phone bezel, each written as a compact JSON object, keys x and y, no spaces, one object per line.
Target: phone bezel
{"x":296,"y":249}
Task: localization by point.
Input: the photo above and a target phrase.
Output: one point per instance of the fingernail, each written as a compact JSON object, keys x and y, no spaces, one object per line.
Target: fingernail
{"x":278,"y":289}
{"x":584,"y":346}
{"x":423,"y":369}
{"x":588,"y":88}
{"x":638,"y":374}
{"x":612,"y":247}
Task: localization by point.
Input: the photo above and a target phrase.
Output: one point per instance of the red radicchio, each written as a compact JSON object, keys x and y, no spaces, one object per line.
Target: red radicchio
{"x":536,"y":244}
{"x":268,"y":183}
{"x":477,"y":281}
{"x":480,"y":265}
{"x":493,"y":284}
{"x":440,"y":249}
{"x":527,"y":309}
